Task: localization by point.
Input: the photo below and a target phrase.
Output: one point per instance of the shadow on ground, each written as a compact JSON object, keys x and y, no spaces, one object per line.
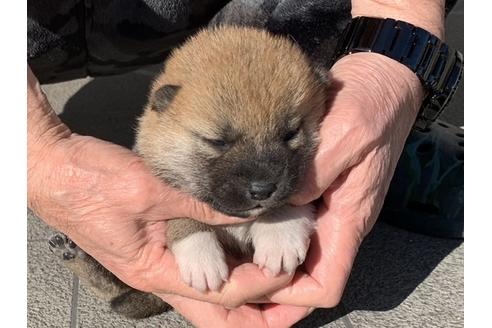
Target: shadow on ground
{"x":108,"y":107}
{"x":390,"y":264}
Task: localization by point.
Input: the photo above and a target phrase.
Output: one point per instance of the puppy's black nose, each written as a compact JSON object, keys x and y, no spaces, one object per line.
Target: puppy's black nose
{"x":261,"y":190}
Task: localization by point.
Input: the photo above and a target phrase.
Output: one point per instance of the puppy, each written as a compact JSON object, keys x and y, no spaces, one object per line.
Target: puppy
{"x":233,"y":120}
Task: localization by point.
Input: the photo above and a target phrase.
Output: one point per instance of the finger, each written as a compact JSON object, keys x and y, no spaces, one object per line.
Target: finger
{"x":323,"y":283}
{"x":184,"y":205}
{"x":206,"y":214}
{"x":158,"y":201}
{"x":360,"y":106}
{"x":203,"y":314}
{"x":162,"y":201}
{"x":342,"y":146}
{"x":346,"y":216}
{"x":245,"y":282}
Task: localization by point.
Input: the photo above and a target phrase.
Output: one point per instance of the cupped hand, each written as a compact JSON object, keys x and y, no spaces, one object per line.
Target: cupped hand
{"x":373,"y":103}
{"x":203,"y":314}
{"x":106,"y":199}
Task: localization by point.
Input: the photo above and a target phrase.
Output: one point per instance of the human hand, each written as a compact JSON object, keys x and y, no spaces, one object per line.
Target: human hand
{"x":372,"y":105}
{"x":203,"y":314}
{"x":106,"y":200}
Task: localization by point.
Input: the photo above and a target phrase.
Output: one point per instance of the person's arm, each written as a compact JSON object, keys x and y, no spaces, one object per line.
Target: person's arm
{"x":44,"y":130}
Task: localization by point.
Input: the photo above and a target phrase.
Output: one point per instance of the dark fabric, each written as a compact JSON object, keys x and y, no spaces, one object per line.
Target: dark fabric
{"x":75,"y":38}
{"x":315,"y":25}
{"x":450,"y":5}
{"x":69,"y":39}
{"x":56,"y":38}
{"x":426,"y":194}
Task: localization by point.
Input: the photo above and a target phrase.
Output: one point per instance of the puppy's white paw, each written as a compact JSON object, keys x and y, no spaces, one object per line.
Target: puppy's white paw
{"x":281,"y":239}
{"x":201,"y":261}
{"x":275,"y":255}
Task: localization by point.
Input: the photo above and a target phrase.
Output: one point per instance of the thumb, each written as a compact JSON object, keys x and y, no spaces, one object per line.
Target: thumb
{"x":342,"y":136}
{"x":336,"y":153}
{"x":187,"y":206}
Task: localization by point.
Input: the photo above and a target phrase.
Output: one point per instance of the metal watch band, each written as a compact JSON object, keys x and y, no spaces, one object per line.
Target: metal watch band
{"x":438,"y":67}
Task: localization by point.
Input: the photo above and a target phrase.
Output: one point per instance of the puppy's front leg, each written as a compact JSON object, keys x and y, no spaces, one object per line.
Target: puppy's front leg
{"x":281,"y":239}
{"x":198,"y":253}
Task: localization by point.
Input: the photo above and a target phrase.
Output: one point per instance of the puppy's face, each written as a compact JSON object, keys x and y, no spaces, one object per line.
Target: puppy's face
{"x":237,"y":139}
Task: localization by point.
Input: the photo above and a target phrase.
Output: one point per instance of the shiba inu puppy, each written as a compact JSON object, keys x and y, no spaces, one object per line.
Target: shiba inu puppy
{"x":233,"y":120}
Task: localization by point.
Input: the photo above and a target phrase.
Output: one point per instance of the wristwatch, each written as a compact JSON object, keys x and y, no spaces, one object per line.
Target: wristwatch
{"x":438,"y":67}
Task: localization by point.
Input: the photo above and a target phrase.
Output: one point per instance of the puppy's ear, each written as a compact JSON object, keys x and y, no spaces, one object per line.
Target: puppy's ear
{"x":163,"y":97}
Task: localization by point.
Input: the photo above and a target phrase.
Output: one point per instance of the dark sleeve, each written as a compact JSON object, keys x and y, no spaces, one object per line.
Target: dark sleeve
{"x":315,"y":25}
{"x":69,"y":39}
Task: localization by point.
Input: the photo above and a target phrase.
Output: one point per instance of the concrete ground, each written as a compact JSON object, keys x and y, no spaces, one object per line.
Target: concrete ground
{"x":400,"y":279}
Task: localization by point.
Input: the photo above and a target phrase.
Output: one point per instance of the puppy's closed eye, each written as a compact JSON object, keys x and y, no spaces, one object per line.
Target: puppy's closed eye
{"x":291,"y":134}
{"x":217,"y":143}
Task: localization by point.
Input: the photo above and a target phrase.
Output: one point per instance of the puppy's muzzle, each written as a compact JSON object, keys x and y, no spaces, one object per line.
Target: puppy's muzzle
{"x":261,"y":190}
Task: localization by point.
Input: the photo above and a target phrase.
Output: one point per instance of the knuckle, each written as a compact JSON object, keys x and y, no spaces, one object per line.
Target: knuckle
{"x":329,"y":300}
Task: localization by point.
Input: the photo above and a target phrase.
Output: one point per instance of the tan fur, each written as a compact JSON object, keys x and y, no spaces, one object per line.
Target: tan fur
{"x":213,"y":63}
{"x":180,"y":228}
{"x":259,"y":83}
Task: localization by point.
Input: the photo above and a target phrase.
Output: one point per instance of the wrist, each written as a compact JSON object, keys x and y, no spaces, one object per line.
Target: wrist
{"x":44,"y":131}
{"x":380,"y":86}
{"x":43,"y":125}
{"x":426,"y":14}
